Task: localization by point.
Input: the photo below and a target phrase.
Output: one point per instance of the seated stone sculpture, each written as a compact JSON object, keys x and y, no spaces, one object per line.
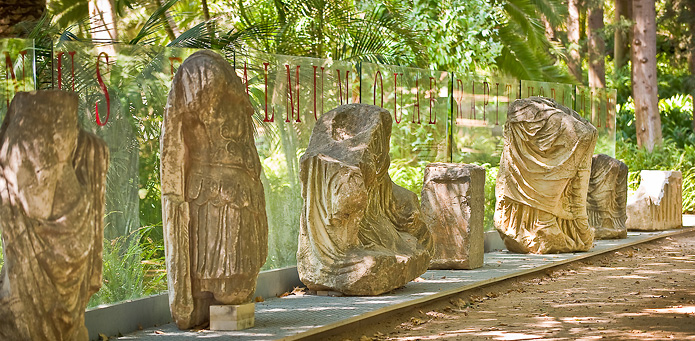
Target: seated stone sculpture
{"x":215,"y":224}
{"x":607,"y":197}
{"x":453,"y":208}
{"x":543,"y":178}
{"x":52,"y":185}
{"x":360,"y":234}
{"x":658,"y":202}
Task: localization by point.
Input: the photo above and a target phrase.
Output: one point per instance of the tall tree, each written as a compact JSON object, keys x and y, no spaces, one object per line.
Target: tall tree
{"x":574,"y":60}
{"x":103,"y":25}
{"x":621,"y":49}
{"x":644,"y":82}
{"x":596,"y":45}
{"x":13,"y":12}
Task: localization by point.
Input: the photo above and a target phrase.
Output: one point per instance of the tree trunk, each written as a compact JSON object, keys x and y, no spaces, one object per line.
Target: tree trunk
{"x":620,"y":49}
{"x":170,"y":25}
{"x":101,"y":21}
{"x":574,"y":61}
{"x":597,"y":47}
{"x":13,"y":12}
{"x":644,"y":83}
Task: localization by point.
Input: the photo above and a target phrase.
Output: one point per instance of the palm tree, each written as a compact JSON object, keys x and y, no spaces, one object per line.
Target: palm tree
{"x":526,"y":52}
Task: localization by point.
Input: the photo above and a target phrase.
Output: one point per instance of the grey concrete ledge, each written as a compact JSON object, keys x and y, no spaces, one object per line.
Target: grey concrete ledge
{"x":314,"y":317}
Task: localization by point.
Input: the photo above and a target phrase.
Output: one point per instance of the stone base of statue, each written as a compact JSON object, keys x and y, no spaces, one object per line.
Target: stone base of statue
{"x":607,"y":197}
{"x":360,"y":234}
{"x":232,"y":317}
{"x":453,"y":208}
{"x":543,"y":178}
{"x":658,"y":203}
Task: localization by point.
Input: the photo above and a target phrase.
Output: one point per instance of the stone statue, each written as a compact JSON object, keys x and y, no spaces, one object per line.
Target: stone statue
{"x":453,"y":207}
{"x":607,"y":196}
{"x":658,"y":202}
{"x":52,"y":189}
{"x":360,"y":234}
{"x":543,"y":178}
{"x":215,"y":225}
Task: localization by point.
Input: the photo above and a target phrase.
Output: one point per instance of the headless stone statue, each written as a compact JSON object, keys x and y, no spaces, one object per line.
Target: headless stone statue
{"x":543,"y":178}
{"x":52,"y":188}
{"x":215,"y":225}
{"x":360,"y":234}
{"x":607,"y":197}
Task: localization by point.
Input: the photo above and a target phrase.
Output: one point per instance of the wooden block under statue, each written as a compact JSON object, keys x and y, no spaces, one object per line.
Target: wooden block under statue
{"x":232,"y":317}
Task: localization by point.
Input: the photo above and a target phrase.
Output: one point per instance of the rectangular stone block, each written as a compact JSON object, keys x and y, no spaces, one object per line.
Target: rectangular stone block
{"x":232,"y":317}
{"x":453,"y":207}
{"x":658,"y":203}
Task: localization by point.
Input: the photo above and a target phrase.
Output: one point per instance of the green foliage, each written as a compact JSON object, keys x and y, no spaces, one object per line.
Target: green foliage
{"x":133,"y":267}
{"x":407,"y":174}
{"x":676,"y":121}
{"x":527,"y":53}
{"x":283,"y":211}
{"x":458,"y":35}
{"x":490,"y":198}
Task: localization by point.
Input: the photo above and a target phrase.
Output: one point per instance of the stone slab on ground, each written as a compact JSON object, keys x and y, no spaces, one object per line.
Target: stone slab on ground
{"x":292,"y":315}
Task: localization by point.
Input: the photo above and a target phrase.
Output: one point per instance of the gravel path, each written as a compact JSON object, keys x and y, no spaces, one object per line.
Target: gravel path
{"x":646,"y":292}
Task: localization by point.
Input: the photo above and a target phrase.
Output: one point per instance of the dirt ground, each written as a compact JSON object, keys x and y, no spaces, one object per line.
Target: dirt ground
{"x":645,"y":292}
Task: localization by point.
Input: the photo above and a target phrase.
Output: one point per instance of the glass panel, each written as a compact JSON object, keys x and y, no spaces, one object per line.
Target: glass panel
{"x":122,"y":91}
{"x":17,"y":74}
{"x":289,"y":94}
{"x":419,"y":103}
{"x":561,"y":93}
{"x":598,"y":106}
{"x":479,"y":112}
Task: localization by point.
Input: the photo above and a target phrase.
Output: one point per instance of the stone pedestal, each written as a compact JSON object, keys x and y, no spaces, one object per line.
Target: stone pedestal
{"x":453,"y":208}
{"x":658,"y":203}
{"x":607,"y":197}
{"x":232,"y":317}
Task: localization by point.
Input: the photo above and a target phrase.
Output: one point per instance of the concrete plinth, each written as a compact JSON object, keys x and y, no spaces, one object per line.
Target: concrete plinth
{"x":232,"y":317}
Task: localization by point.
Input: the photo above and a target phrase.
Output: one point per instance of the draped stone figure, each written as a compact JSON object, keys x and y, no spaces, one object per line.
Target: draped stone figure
{"x":607,"y":197}
{"x":360,"y":234}
{"x":52,"y":189}
{"x":215,"y":224}
{"x":543,"y":178}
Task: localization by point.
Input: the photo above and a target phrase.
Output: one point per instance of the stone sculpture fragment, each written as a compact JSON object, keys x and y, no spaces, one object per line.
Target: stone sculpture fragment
{"x":215,"y":224}
{"x":453,"y":208}
{"x":607,"y":197}
{"x":543,"y":178}
{"x":658,"y":203}
{"x":360,"y":234}
{"x":52,"y":185}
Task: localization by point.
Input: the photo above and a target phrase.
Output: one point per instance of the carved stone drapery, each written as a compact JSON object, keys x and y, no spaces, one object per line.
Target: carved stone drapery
{"x":52,"y":188}
{"x":607,"y":197}
{"x":215,"y":224}
{"x":360,"y":234}
{"x":453,"y":208}
{"x":543,"y":178}
{"x":658,"y":202}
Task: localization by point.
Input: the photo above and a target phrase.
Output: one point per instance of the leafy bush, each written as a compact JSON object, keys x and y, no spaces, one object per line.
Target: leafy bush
{"x":408,"y":174}
{"x":133,"y":267}
{"x":676,"y":121}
